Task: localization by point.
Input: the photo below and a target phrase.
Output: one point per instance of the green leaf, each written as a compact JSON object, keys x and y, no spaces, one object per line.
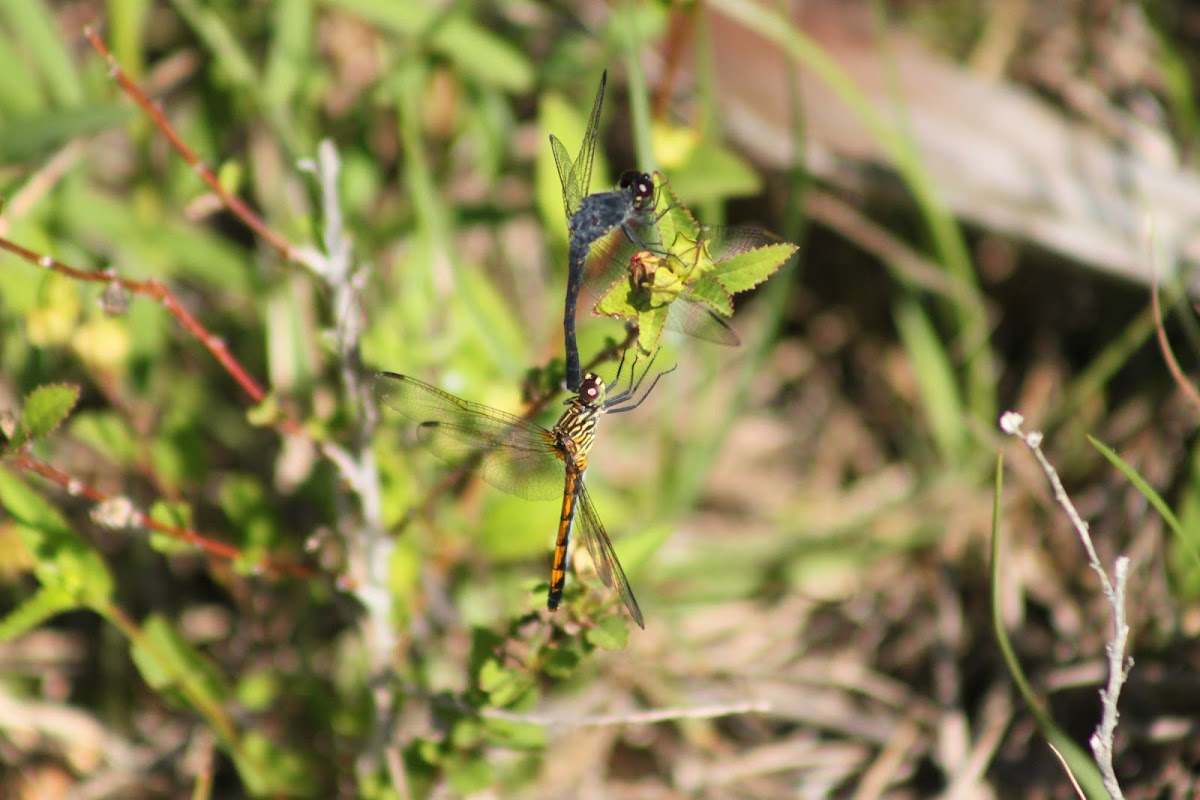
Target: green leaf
{"x":1147,"y":491}
{"x":618,"y":301}
{"x":935,"y":376}
{"x":747,"y":270}
{"x":45,"y":409}
{"x":62,"y":560}
{"x":492,"y":675}
{"x":106,"y":431}
{"x":170,"y":664}
{"x":264,"y":414}
{"x":479,"y":52}
{"x":560,"y":662}
{"x":244,"y":500}
{"x":25,"y":139}
{"x":41,"y":606}
{"x":178,"y":515}
{"x":712,"y":174}
{"x":610,"y":633}
{"x":467,"y":733}
{"x":259,"y":689}
{"x":35,"y":26}
{"x":503,"y":686}
{"x":468,"y":774}
{"x":650,"y":327}
{"x":712,"y":295}
{"x":514,"y":734}
{"x":269,"y":770}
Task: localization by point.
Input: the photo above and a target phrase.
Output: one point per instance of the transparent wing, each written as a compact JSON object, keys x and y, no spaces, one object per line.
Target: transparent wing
{"x":581,"y":172}
{"x":562,"y":160}
{"x":695,"y":320}
{"x":511,"y":453}
{"x":727,"y":241}
{"x":600,"y":548}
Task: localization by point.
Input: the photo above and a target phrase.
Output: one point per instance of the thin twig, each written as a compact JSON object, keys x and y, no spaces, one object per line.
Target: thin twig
{"x":118,"y":511}
{"x":368,"y":546}
{"x":649,"y":717}
{"x":151,"y":109}
{"x":160,"y":293}
{"x":39,"y":184}
{"x":1114,"y":592}
{"x":1164,"y":344}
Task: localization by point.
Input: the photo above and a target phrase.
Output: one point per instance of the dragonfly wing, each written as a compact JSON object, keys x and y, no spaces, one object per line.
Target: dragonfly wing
{"x":576,"y":176}
{"x":609,"y":257}
{"x":562,"y":160}
{"x":726,"y":241}
{"x":581,"y":172}
{"x":693,"y":319}
{"x":511,"y":453}
{"x":511,"y":460}
{"x":600,"y":548}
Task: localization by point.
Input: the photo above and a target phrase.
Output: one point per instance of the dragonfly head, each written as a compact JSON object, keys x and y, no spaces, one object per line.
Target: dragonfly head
{"x":591,"y":390}
{"x":640,"y":185}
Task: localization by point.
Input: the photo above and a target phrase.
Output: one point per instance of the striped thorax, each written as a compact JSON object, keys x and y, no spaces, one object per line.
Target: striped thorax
{"x":576,"y":428}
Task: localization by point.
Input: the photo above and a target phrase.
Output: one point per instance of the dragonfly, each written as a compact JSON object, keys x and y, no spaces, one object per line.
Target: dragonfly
{"x":522,"y":458}
{"x":633,"y":208}
{"x":639,"y":265}
{"x":591,"y":217}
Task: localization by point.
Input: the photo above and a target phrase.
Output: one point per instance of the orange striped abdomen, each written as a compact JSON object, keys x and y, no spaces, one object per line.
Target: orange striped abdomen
{"x":558,"y":567}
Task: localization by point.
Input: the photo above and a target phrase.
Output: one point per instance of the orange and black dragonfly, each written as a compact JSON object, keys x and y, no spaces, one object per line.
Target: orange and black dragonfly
{"x":524,"y":459}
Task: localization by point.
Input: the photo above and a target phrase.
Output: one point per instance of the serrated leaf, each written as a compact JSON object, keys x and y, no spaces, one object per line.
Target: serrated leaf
{"x":676,"y":223}
{"x":45,"y":409}
{"x":747,"y":270}
{"x":610,"y":633}
{"x":617,"y":301}
{"x":712,"y":295}
{"x":650,"y":327}
{"x":62,"y":560}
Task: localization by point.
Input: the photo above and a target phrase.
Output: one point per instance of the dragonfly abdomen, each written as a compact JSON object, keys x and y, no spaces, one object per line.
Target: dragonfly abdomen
{"x":597,"y":216}
{"x":562,"y":543}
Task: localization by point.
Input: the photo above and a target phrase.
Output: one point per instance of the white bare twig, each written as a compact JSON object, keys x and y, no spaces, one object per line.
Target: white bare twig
{"x":368,"y":546}
{"x":1114,"y":592}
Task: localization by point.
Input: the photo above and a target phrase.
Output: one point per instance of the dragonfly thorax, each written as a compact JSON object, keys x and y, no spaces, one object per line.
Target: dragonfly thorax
{"x":576,"y":430}
{"x":598,"y":214}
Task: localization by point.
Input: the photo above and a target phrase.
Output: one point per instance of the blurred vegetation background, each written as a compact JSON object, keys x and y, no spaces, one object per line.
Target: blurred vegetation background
{"x":982,"y":193}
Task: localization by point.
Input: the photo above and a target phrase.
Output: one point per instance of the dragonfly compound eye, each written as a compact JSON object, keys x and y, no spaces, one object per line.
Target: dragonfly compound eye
{"x":641,"y":183}
{"x":591,"y":390}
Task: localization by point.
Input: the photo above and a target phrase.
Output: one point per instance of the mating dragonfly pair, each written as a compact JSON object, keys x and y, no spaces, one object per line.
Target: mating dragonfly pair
{"x":613,"y":236}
